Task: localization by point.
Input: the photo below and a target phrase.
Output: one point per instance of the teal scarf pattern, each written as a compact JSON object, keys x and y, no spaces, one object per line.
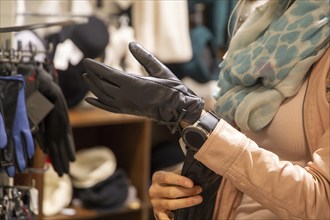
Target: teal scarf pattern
{"x":268,"y":60}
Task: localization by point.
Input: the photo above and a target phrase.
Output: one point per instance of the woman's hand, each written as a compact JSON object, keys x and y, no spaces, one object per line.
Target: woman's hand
{"x":171,"y":191}
{"x":160,"y":96}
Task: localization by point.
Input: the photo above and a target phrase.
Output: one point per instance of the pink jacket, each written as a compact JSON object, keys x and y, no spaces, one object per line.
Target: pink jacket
{"x":304,"y":192}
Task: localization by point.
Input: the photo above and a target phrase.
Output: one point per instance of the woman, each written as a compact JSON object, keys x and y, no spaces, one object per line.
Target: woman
{"x":280,"y":171}
{"x":270,"y":143}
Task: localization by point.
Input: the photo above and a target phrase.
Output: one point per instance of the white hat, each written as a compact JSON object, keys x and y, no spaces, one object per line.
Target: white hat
{"x":92,"y":166}
{"x":27,"y":37}
{"x":57,"y":193}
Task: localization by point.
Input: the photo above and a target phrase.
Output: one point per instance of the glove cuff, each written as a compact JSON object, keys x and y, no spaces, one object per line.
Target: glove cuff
{"x":175,"y":125}
{"x":194,"y":111}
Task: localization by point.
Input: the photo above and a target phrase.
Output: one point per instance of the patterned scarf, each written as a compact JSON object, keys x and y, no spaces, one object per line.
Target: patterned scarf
{"x":268,"y":60}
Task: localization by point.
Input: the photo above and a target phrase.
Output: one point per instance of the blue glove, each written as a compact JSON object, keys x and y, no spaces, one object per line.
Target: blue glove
{"x":20,"y":134}
{"x":8,"y":96}
{"x":23,"y":140}
{"x":3,"y":136}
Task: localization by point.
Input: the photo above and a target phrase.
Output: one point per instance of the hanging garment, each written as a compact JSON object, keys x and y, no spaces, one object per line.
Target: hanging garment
{"x":204,"y":65}
{"x":78,"y":40}
{"x":117,"y":54}
{"x":216,"y":17}
{"x":162,"y":27}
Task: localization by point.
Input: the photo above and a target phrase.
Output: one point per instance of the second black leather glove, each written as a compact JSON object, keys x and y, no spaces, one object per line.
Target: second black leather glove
{"x":208,"y":180}
{"x":159,"y":96}
{"x":56,"y":129}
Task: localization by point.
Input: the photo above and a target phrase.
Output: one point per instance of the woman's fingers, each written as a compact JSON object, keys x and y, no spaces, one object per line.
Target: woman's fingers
{"x":173,"y":204}
{"x":170,"y":178}
{"x":172,"y":191}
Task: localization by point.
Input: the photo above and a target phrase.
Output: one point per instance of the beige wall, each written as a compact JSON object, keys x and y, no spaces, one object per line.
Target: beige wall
{"x":7,"y":18}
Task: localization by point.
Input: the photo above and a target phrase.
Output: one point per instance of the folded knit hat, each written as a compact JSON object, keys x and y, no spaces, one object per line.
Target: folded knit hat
{"x":108,"y":194}
{"x":92,"y":165}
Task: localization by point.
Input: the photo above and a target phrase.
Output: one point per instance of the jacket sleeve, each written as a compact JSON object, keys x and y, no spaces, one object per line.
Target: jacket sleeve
{"x":288,"y":190}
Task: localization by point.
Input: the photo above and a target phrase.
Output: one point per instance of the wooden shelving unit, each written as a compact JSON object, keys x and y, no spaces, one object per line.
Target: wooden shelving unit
{"x":129,"y":137}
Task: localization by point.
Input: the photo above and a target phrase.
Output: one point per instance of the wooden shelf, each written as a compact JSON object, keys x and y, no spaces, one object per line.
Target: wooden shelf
{"x":87,"y":214}
{"x":129,"y":137}
{"x":96,"y":117}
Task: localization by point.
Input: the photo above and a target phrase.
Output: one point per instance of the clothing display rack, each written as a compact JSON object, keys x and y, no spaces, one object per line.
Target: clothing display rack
{"x":91,"y":127}
{"x":40,"y":25}
{"x":19,"y":196}
{"x":21,"y":193}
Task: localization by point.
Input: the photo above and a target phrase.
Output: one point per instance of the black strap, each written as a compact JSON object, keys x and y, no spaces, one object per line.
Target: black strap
{"x":209,"y":121}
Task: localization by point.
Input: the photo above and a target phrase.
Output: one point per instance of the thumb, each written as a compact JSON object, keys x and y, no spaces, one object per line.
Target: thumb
{"x":28,"y":143}
{"x":152,"y":65}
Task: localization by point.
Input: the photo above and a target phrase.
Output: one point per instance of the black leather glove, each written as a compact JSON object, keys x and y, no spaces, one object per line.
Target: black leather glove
{"x":159,"y":96}
{"x":53,"y":133}
{"x":56,"y":131}
{"x":208,"y":180}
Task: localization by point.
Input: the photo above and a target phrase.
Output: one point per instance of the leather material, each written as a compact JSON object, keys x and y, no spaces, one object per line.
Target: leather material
{"x":208,"y":180}
{"x":52,"y":129}
{"x":159,"y":96}
{"x":55,"y":134}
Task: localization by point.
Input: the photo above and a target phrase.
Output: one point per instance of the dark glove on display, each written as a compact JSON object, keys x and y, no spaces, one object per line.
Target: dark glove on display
{"x":159,"y":96}
{"x":57,"y":135}
{"x":20,"y":139}
{"x":8,"y":95}
{"x":208,"y":180}
{"x":3,"y":135}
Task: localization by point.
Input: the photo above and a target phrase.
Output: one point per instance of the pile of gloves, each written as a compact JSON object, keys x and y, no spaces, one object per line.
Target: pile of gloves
{"x":33,"y":109}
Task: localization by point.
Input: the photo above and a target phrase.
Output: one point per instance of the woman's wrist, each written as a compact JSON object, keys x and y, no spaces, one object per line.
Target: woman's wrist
{"x":184,"y":124}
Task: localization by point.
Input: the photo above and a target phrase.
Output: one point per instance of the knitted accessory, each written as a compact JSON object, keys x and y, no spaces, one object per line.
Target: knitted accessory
{"x":268,"y":60}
